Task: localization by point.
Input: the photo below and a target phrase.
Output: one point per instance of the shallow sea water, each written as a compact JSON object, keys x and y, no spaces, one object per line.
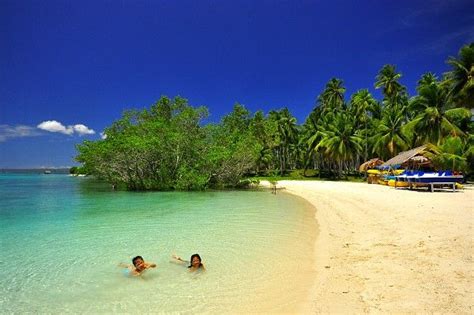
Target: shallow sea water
{"x":62,"y":238}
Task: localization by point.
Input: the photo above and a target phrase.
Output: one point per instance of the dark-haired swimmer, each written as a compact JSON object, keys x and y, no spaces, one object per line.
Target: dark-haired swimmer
{"x":195,"y":263}
{"x":139,"y":265}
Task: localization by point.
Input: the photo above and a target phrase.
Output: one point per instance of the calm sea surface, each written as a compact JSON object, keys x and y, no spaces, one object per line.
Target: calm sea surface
{"x":62,"y":238}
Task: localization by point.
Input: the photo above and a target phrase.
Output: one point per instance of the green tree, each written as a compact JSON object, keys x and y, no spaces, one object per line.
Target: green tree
{"x":435,"y":122}
{"x":161,"y":148}
{"x":362,"y":107}
{"x":259,"y":132}
{"x":388,"y":79}
{"x":449,"y":155}
{"x":311,"y":136}
{"x":389,"y":138}
{"x":426,"y":79}
{"x":332,"y":98}
{"x":468,"y":153}
{"x":234,"y":151}
{"x":285,"y":136}
{"x":340,"y":141}
{"x":461,"y":77}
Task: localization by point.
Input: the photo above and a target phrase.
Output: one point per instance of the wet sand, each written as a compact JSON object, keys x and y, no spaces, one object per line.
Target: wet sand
{"x":381,"y":249}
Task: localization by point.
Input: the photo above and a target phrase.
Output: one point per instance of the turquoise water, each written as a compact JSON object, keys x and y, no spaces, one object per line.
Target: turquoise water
{"x":62,"y":238}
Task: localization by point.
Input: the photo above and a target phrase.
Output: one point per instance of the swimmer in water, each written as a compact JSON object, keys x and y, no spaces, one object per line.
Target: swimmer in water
{"x":139,"y":265}
{"x":195,"y":263}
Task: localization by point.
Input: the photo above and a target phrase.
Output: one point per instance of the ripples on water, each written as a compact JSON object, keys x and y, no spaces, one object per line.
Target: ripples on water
{"x":62,"y":238}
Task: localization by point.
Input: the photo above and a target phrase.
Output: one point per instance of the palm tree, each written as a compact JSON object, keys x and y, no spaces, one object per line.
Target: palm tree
{"x":461,"y":77}
{"x":312,"y":135}
{"x":389,"y":138}
{"x":414,"y":109}
{"x":287,"y":132}
{"x":332,"y":97}
{"x":449,"y":155}
{"x":426,"y":80}
{"x":435,"y":122}
{"x":388,"y":80}
{"x":362,"y":103}
{"x":469,"y":152}
{"x":264,"y":159}
{"x":258,"y":128}
{"x":339,"y":140}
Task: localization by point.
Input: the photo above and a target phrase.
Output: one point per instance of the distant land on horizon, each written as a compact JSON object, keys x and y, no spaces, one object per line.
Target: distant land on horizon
{"x":61,"y":170}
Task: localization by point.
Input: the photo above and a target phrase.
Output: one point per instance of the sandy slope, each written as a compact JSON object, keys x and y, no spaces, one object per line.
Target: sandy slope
{"x":387,"y":250}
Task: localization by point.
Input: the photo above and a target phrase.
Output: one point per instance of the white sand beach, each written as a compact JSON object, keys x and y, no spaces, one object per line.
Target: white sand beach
{"x":386,"y":250}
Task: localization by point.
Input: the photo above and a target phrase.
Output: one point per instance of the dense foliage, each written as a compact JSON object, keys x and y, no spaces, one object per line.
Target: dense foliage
{"x":169,"y":147}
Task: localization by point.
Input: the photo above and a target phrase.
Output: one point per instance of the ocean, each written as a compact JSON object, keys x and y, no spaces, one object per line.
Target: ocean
{"x":62,"y":239}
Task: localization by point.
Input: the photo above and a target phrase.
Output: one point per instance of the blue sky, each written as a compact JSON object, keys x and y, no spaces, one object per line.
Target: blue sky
{"x":68,"y":69}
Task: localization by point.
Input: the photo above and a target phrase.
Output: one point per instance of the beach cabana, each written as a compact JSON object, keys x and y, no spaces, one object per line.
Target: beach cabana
{"x":369,"y":169}
{"x":414,"y":158}
{"x":370,"y":164}
{"x":419,"y":161}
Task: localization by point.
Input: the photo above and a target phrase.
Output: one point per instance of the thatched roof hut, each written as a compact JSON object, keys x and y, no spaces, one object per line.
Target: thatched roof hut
{"x":411,"y":158}
{"x":372,"y":163}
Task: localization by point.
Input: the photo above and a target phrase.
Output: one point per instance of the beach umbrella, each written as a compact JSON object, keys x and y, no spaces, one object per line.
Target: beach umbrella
{"x":372,"y":163}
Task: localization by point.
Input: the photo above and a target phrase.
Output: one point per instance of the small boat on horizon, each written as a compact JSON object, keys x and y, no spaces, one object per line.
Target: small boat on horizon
{"x":47,"y":172}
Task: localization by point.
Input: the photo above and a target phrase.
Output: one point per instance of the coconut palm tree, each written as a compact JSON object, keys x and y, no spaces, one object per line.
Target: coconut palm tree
{"x":435,"y":122}
{"x":449,"y":155}
{"x":287,"y":132}
{"x":290,"y":131}
{"x":389,"y":138}
{"x":469,"y":152}
{"x":461,"y":77}
{"x":259,"y":130}
{"x":332,"y":98}
{"x":426,"y":80}
{"x":387,"y":79}
{"x":414,"y":109}
{"x":362,"y":103}
{"x":312,"y":134}
{"x":340,"y":140}
{"x":264,"y":159}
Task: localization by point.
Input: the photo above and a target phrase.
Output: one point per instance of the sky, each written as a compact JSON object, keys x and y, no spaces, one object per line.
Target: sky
{"x":68,"y":69}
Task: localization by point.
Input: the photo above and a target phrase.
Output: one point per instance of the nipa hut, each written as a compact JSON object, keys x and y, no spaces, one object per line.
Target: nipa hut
{"x":372,"y":163}
{"x":414,"y":158}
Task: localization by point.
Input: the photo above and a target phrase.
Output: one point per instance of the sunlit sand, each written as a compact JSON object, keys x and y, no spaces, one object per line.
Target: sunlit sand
{"x":389,"y":250}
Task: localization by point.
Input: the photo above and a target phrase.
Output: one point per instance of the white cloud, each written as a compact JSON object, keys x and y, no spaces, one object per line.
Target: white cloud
{"x":83,"y":130}
{"x":103,"y":135}
{"x":55,"y":126}
{"x":19,"y":131}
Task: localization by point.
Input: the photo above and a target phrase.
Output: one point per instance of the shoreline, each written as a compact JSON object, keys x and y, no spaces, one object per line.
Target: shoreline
{"x":381,"y":249}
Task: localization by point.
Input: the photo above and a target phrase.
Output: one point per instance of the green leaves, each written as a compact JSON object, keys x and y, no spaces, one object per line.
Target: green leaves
{"x":387,"y":79}
{"x":450,"y":155}
{"x":461,"y":77}
{"x":168,"y":147}
{"x":332,"y":98}
{"x":149,"y":149}
{"x":434,"y":120}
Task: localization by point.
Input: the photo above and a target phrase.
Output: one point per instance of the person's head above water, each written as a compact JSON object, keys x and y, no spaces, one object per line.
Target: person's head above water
{"x":195,"y":261}
{"x":138,"y":262}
